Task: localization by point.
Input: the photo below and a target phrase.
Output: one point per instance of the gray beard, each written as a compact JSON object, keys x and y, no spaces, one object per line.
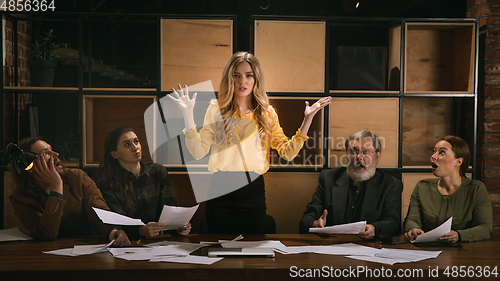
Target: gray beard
{"x":364,"y":175}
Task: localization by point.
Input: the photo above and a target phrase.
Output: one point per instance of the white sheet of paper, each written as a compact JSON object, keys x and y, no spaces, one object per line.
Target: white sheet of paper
{"x":254,"y":244}
{"x":79,"y":250}
{"x":296,"y":250}
{"x":273,"y":244}
{"x":168,"y":243}
{"x":347,"y":249}
{"x":132,"y":253}
{"x":13,"y":234}
{"x":61,"y":252}
{"x":239,"y":237}
{"x":433,"y":235}
{"x":174,"y":250}
{"x":129,"y":250}
{"x":116,"y":219}
{"x":342,"y":249}
{"x":392,"y":256}
{"x":408,"y":255}
{"x":176,"y":217}
{"x":348,"y":228}
{"x":187,"y":259}
{"x":375,"y":259}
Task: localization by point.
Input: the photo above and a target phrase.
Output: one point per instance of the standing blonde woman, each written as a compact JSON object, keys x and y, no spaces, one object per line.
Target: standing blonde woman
{"x":240,"y":128}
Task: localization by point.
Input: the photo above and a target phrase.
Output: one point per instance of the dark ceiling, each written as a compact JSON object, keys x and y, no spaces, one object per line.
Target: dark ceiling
{"x":244,"y":8}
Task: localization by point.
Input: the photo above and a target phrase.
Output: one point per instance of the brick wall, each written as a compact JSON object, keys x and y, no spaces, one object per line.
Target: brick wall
{"x":488,"y":13}
{"x":24,"y":35}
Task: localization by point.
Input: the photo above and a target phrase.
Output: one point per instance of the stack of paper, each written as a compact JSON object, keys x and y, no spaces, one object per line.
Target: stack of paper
{"x":178,"y":252}
{"x":342,"y":249}
{"x":273,"y":244}
{"x":79,"y":250}
{"x":392,"y":256}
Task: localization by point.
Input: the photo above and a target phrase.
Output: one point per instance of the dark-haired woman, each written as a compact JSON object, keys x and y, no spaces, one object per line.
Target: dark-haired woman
{"x":132,"y":188}
{"x":452,"y":194}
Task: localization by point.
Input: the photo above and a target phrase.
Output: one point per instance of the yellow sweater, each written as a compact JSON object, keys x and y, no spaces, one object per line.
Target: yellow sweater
{"x":244,"y":151}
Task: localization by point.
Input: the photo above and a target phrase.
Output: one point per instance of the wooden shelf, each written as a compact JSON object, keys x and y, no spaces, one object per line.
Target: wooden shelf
{"x":364,"y":55}
{"x":291,"y":113}
{"x":363,"y":92}
{"x":103,"y":113}
{"x":71,"y":163}
{"x":55,"y":89}
{"x":287,"y":195}
{"x":378,"y":115}
{"x":194,"y":51}
{"x":425,"y":122}
{"x":121,"y":89}
{"x":439,"y":57}
{"x":292,"y":54}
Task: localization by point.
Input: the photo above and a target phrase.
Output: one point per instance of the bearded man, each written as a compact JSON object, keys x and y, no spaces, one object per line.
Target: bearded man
{"x":358,"y":192}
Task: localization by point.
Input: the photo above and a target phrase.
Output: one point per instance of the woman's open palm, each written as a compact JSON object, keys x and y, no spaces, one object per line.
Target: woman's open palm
{"x":182,"y":100}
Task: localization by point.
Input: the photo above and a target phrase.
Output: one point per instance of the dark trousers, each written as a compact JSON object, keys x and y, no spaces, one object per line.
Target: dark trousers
{"x":242,"y":211}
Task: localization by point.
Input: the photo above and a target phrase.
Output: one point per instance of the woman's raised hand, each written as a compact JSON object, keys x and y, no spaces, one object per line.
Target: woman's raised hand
{"x":310,"y":111}
{"x":183,"y":101}
{"x":185,"y":104}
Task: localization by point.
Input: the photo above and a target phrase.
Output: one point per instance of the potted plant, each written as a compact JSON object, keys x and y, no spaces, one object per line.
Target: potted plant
{"x":42,"y":64}
{"x":69,"y":149}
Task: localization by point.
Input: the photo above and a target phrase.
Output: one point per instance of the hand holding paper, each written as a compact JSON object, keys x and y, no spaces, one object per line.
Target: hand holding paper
{"x":450,"y":237}
{"x":433,"y":235}
{"x":175,"y":217}
{"x":348,"y":228}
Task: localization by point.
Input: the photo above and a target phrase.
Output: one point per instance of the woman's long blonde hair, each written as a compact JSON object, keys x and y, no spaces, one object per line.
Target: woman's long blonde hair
{"x":227,"y":106}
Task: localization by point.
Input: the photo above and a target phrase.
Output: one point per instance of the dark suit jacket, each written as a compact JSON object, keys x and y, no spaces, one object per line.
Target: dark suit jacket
{"x":381,"y":204}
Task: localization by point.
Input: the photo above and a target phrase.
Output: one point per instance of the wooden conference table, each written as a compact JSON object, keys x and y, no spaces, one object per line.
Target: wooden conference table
{"x":24,"y":260}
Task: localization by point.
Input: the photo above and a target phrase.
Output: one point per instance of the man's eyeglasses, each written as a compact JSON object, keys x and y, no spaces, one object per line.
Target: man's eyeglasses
{"x":364,"y":152}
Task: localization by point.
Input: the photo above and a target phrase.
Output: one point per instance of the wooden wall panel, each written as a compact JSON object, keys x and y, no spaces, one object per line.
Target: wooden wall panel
{"x":194,"y":51}
{"x":463,"y":59}
{"x":378,"y":115}
{"x":438,"y":57}
{"x":425,"y":122}
{"x":103,"y":113}
{"x":287,"y":195}
{"x":292,"y":54}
